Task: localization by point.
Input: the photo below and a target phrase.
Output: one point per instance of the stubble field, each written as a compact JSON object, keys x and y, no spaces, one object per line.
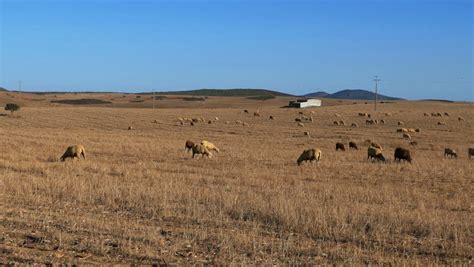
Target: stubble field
{"x":140,"y":198}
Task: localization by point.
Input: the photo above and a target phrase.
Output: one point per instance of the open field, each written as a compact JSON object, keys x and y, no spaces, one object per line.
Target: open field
{"x":140,"y":198}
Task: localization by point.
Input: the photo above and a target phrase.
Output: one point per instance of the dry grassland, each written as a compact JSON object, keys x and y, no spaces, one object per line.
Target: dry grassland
{"x":140,"y":198}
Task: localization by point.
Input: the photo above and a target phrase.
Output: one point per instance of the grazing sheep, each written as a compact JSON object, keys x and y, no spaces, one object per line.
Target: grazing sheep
{"x":353,"y":145}
{"x":417,"y":130}
{"x":446,"y":114}
{"x":300,"y":124}
{"x":271,"y":117}
{"x":400,"y":123}
{"x":402,"y":154}
{"x":369,"y":121}
{"x":375,"y":153}
{"x":238,"y":122}
{"x":191,"y":123}
{"x":402,"y":130}
{"x":438,"y":114}
{"x":382,"y":121}
{"x":368,"y":115}
{"x":426,"y":114}
{"x":301,"y":113}
{"x":363,"y":114}
{"x":406,"y":136}
{"x":441,"y":123}
{"x":354,"y":124}
{"x":306,"y":134}
{"x":246,"y":111}
{"x":216,"y":118}
{"x":341,"y":122}
{"x":256,"y":114}
{"x":297,"y":120}
{"x":130,"y":128}
{"x":411,"y":130}
{"x":209,"y":146}
{"x":340,"y":146}
{"x":450,"y":152}
{"x":155,"y":121}
{"x":188,"y":146}
{"x":311,"y":119}
{"x":388,"y":114}
{"x":227,"y":122}
{"x":199,"y":149}
{"x":209,"y":122}
{"x":413,"y":143}
{"x":336,"y":123}
{"x":460,"y":118}
{"x":245,"y":124}
{"x":74,"y":151}
{"x":310,"y":155}
{"x":376,"y":145}
{"x":337,"y":115}
{"x":470,"y":152}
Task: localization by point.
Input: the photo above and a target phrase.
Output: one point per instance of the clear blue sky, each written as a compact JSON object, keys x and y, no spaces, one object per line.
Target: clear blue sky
{"x":420,"y":49}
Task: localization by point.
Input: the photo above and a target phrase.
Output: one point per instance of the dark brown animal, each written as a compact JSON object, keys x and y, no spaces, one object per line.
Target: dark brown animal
{"x":340,"y":146}
{"x":449,"y":152}
{"x":470,"y":152}
{"x":402,"y":154}
{"x":188,"y":146}
{"x":413,"y":143}
{"x":353,"y":145}
{"x":271,"y":118}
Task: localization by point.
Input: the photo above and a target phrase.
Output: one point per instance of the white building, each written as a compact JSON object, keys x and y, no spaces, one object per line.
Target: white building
{"x":305,"y":103}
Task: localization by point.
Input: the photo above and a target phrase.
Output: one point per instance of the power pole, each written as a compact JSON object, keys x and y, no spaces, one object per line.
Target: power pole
{"x":376,"y":80}
{"x":153,"y":98}
{"x":19,"y":88}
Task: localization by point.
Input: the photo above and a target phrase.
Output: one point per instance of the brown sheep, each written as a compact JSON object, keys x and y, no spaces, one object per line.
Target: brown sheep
{"x":256,"y":114}
{"x":209,"y":122}
{"x":450,"y":152}
{"x":470,"y":152}
{"x":191,"y":123}
{"x":402,"y":130}
{"x":297,"y":120}
{"x":306,"y":134}
{"x":413,"y":143}
{"x":199,"y":149}
{"x":460,"y":118}
{"x":336,"y":123}
{"x":337,"y":115}
{"x":310,"y":155}
{"x":188,"y":146}
{"x":375,"y":153}
{"x":406,"y":136}
{"x":446,"y":114}
{"x":441,"y":123}
{"x":271,"y":117}
{"x":341,"y":122}
{"x":426,"y":114}
{"x":354,"y":124}
{"x":353,"y":145}
{"x":417,"y":130}
{"x":363,"y":114}
{"x":130,"y":128}
{"x":340,"y":146}
{"x":246,"y":111}
{"x":376,"y":145}
{"x":300,"y":124}
{"x":382,"y":121}
{"x":402,"y":154}
{"x":155,"y":121}
{"x":74,"y":151}
{"x":400,"y":123}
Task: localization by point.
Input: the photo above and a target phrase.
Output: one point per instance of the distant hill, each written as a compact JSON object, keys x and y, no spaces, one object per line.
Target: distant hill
{"x":317,"y":94}
{"x":226,"y":92}
{"x":3,"y":89}
{"x":356,"y":94}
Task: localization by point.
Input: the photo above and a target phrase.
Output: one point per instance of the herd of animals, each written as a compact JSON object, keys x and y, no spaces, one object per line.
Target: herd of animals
{"x":374,"y":150}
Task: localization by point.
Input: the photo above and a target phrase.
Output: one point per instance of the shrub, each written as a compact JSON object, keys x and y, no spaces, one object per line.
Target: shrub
{"x":12,"y":107}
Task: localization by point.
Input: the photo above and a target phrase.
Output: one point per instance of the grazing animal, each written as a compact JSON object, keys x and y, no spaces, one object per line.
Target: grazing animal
{"x":376,"y":145}
{"x":353,"y":145}
{"x":402,"y":154}
{"x":209,"y":146}
{"x":363,"y":114}
{"x":426,"y":114}
{"x":388,"y":114}
{"x":336,"y":123}
{"x":74,"y":151}
{"x":417,"y":130}
{"x":340,"y":146}
{"x":341,"y":122}
{"x":300,"y":124}
{"x":402,"y":130}
{"x":337,"y":115}
{"x":446,"y":114}
{"x":209,"y":122}
{"x":375,"y":153}
{"x":238,"y":122}
{"x":354,"y":124}
{"x":448,"y":152}
{"x":441,"y":123}
{"x":246,"y":111}
{"x":310,"y":155}
{"x":199,"y":149}
{"x":245,"y":124}
{"x":382,"y":121}
{"x":368,"y":115}
{"x":411,"y":130}
{"x":306,"y":134}
{"x":406,"y":136}
{"x":227,"y":122}
{"x":400,"y":123}
{"x":130,"y":128}
{"x":155,"y":121}
{"x":191,"y":123}
{"x":370,"y":121}
{"x":413,"y":143}
{"x":470,"y":152}
{"x":298,"y":120}
{"x":271,"y":117}
{"x":460,"y":118}
{"x":256,"y":114}
{"x":188,"y":146}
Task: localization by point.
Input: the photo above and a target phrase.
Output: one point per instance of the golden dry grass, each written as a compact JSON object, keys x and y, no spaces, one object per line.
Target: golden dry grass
{"x":140,"y":198}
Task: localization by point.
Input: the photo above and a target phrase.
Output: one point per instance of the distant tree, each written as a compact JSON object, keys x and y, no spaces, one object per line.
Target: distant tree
{"x":12,"y":107}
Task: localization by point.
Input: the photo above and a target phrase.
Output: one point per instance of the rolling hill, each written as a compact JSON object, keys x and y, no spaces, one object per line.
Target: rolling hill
{"x":356,"y":94}
{"x":226,"y":92}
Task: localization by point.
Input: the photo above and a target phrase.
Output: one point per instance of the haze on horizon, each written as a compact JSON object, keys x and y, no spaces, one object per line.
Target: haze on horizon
{"x":419,"y":49}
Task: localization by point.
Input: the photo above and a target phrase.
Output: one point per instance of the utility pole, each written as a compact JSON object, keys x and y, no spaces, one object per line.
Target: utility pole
{"x":19,"y":88}
{"x":153,"y":98}
{"x":376,"y":80}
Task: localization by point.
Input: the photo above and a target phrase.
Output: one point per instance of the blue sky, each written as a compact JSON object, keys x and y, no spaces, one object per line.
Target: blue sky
{"x":420,"y":49}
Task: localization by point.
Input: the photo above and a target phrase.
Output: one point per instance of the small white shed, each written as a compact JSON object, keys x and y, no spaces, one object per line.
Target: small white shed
{"x":305,"y":103}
